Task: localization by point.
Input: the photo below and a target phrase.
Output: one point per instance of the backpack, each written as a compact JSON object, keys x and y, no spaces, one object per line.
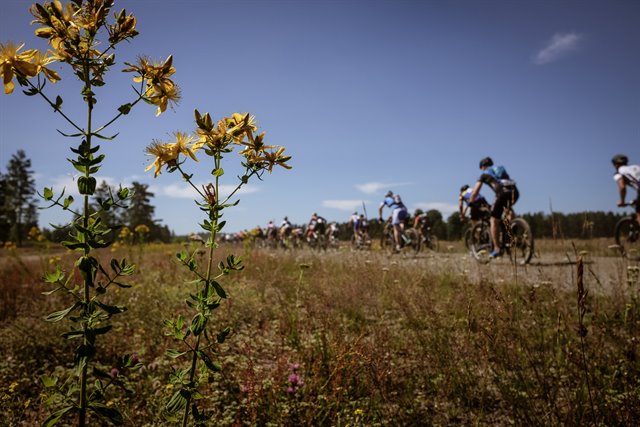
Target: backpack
{"x":499,"y":172}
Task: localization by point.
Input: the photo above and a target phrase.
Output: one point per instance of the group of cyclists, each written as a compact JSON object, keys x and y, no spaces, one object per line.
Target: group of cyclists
{"x":470,"y":201}
{"x":506,"y":195}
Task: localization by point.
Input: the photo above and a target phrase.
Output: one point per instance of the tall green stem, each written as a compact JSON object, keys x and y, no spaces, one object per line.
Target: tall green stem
{"x":88,"y":279}
{"x":213,"y":216}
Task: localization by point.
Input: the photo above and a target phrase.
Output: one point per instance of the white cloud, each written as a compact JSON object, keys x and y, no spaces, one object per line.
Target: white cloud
{"x":344,"y":205}
{"x":559,"y":46}
{"x":378,"y":187}
{"x":445,"y":209}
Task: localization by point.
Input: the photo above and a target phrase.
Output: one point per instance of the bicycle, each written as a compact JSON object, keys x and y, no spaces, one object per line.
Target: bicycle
{"x":514,"y":234}
{"x":409,"y":237}
{"x":627,"y":235}
{"x":360,"y":240}
{"x":426,"y":239}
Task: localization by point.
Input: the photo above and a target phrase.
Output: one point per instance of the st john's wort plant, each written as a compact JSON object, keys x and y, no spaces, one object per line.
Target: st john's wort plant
{"x":76,"y":32}
{"x":197,"y":342}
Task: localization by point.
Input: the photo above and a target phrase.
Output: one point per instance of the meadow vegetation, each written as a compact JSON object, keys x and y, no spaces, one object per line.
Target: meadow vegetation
{"x":355,"y":338}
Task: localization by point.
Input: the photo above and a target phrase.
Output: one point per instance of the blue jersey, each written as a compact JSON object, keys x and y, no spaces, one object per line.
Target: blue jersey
{"x":393,"y":203}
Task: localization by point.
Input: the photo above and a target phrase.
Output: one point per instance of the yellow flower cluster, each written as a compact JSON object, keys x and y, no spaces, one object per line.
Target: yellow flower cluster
{"x":28,"y":63}
{"x":124,"y":233}
{"x":141,"y":229}
{"x":35,"y":234}
{"x":10,"y":246}
{"x":71,"y":29}
{"x":160,"y":90}
{"x":71,"y":32}
{"x":213,"y":139}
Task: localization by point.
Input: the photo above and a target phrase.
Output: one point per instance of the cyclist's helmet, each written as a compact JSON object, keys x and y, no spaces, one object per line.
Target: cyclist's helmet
{"x":486,"y":162}
{"x":620,"y":160}
{"x":464,"y":188}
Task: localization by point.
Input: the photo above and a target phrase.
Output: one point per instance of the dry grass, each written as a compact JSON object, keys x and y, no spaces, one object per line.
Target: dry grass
{"x":432,"y":340}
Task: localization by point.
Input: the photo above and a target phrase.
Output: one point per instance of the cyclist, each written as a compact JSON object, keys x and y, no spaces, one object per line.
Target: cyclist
{"x":354,"y":222}
{"x":285,"y":228}
{"x":506,"y":192}
{"x":626,"y":175}
{"x":398,"y":216}
{"x":363,"y":227}
{"x":476,"y":208}
{"x":317,"y":224}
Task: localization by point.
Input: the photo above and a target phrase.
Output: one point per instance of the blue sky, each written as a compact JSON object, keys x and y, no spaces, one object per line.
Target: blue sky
{"x":367,"y":96}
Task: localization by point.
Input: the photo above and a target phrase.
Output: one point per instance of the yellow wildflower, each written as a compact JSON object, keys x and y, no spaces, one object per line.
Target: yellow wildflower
{"x":12,"y":62}
{"x":160,"y":90}
{"x":273,"y":158}
{"x":185,"y":144}
{"x":40,"y":60}
{"x":163,"y":154}
{"x":141,"y":229}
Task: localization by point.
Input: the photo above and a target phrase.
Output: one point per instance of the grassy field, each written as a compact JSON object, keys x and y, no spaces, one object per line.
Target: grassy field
{"x":346,"y":338}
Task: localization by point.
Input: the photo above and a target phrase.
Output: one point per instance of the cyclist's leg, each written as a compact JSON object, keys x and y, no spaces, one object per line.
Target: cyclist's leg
{"x":496,"y":216}
{"x":395,"y":222}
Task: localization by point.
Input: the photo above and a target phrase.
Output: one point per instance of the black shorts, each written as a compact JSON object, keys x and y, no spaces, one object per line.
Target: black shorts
{"x":505,"y":199}
{"x":478,"y":210}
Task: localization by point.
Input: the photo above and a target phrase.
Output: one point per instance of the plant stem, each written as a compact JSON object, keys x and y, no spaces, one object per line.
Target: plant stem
{"x":88,"y":279}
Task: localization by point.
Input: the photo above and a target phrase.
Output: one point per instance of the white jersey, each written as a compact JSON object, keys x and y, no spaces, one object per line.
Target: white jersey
{"x":630,"y":174}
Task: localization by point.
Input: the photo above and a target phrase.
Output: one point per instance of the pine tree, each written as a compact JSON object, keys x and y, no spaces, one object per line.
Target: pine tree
{"x":19,"y":197}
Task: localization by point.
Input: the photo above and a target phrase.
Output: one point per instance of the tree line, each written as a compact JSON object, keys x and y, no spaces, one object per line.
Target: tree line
{"x":19,"y":207}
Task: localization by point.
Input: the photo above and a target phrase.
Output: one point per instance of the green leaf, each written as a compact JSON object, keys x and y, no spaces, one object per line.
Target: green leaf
{"x":111,"y":309}
{"x":178,"y":401}
{"x":86,"y":185}
{"x":123,"y":193}
{"x":197,"y":324}
{"x":108,"y":138}
{"x":67,"y":202}
{"x":48,"y":193}
{"x":48,"y":381}
{"x":222,"y":335}
{"x":75,"y":245}
{"x":108,"y":412}
{"x":217,"y":172}
{"x":55,"y":417}
{"x":58,"y":103}
{"x":210,"y":364}
{"x":219,"y":290}
{"x":53,"y":277}
{"x":173,"y":353}
{"x":73,"y":334}
{"x":59,"y":315}
{"x":125,"y":108}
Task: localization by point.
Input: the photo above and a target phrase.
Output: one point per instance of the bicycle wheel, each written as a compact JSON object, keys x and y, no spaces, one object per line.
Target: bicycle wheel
{"x":467,"y":238}
{"x":520,"y":241}
{"x":627,"y":233}
{"x":413,"y":239}
{"x":481,"y":242}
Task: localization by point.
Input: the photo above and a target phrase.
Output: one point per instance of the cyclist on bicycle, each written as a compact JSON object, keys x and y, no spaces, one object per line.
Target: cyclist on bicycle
{"x":626,"y":175}
{"x":317,"y":224}
{"x":506,"y":192}
{"x":285,"y":228}
{"x":476,"y":208}
{"x":354,"y":222}
{"x":398,"y":216}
